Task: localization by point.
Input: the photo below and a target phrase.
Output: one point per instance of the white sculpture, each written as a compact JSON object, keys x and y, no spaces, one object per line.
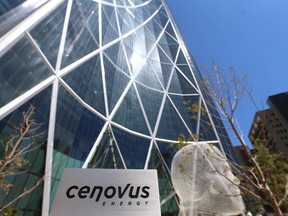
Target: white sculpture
{"x":203,"y":180}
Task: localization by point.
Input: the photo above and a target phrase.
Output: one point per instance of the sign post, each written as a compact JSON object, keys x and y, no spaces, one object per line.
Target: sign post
{"x":107,"y":192}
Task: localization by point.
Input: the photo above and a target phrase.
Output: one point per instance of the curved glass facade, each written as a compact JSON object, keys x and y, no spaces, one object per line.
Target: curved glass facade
{"x":109,"y":81}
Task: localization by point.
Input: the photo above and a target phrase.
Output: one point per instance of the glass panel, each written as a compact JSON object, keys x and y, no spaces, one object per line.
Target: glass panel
{"x":107,"y":155}
{"x":151,"y":101}
{"x":169,"y":29}
{"x":126,"y":20}
{"x":160,"y":18}
{"x":169,"y":46}
{"x":171,"y":126}
{"x":162,"y":70}
{"x":133,"y":149}
{"x":181,"y":58}
{"x":180,"y":85}
{"x":206,"y":130}
{"x":89,"y":12}
{"x":116,"y":82}
{"x":154,"y":28}
{"x":147,"y":77}
{"x":188,"y":73}
{"x":167,"y":152}
{"x":130,"y":114}
{"x":182,"y":104}
{"x":75,"y":134}
{"x":76,"y":127}
{"x":86,"y":81}
{"x":47,"y":33}
{"x":80,"y":39}
{"x":21,"y":68}
{"x":109,"y":24}
{"x":116,"y":55}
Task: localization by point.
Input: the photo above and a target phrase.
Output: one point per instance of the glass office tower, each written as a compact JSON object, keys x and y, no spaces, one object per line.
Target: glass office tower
{"x":110,"y":82}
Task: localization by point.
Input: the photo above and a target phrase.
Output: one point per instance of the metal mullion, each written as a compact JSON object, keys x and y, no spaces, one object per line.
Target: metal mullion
{"x":149,"y":155}
{"x":49,"y":150}
{"x":52,"y":119}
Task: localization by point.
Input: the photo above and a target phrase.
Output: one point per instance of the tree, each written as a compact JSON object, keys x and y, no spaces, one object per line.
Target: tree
{"x":14,"y":150}
{"x":266,"y":175}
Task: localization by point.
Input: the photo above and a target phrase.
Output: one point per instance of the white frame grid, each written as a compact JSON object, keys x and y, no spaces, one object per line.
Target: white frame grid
{"x":7,"y":41}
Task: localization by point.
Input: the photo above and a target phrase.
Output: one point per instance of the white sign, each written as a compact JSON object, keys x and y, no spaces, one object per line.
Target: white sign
{"x":107,"y":192}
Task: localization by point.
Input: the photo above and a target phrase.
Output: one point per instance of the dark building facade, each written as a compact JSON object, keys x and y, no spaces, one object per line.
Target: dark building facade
{"x":272,"y":124}
{"x":109,"y":82}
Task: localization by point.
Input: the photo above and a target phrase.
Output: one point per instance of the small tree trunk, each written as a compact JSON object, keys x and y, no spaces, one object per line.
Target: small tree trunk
{"x":274,"y":203}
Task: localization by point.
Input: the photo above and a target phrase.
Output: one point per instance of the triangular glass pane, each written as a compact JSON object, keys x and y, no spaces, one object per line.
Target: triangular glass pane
{"x":137,"y":13}
{"x":169,"y":45}
{"x":154,"y":28}
{"x":76,"y":127}
{"x":116,"y":82}
{"x":183,"y":105}
{"x":188,"y":73}
{"x":47,"y":33}
{"x":162,"y":11}
{"x":179,"y":84}
{"x":148,"y":10}
{"x":21,"y":69}
{"x":157,"y":70}
{"x":171,"y":126}
{"x":167,"y":151}
{"x":89,"y":10}
{"x":149,"y":39}
{"x":147,"y":77}
{"x":79,"y":40}
{"x":109,"y":24}
{"x":107,"y":154}
{"x":151,"y":100}
{"x":169,"y":29}
{"x":160,"y":18}
{"x":181,"y":58}
{"x":116,"y":54}
{"x":130,"y":114}
{"x":163,"y":57}
{"x":164,"y":182}
{"x":167,"y":69}
{"x":86,"y":81}
{"x":126,"y":20}
{"x":136,"y":52}
{"x":133,"y":149}
{"x":206,"y":132}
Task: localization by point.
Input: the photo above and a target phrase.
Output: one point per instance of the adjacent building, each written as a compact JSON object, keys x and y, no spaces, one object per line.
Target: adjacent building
{"x":272,"y":124}
{"x":109,"y":81}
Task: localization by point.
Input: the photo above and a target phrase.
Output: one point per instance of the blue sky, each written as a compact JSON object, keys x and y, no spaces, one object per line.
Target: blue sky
{"x":250,"y":35}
